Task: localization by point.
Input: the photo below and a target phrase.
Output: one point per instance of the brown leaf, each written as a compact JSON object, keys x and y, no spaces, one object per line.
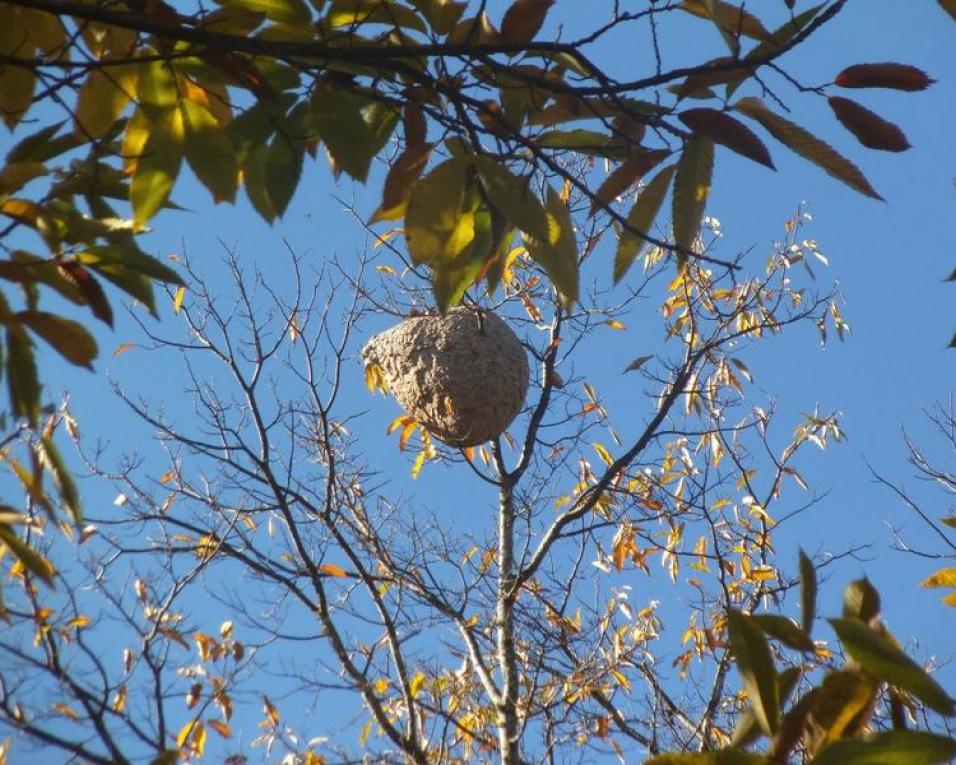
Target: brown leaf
{"x":888,"y":75}
{"x":83,"y":281}
{"x":523,"y":20}
{"x":870,"y":128}
{"x":727,"y":131}
{"x":625,"y":176}
{"x":732,"y":19}
{"x":715,"y":72}
{"x":949,"y":6}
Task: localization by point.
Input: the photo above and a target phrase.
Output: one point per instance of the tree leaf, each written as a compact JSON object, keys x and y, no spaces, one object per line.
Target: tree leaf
{"x":640,"y":219}
{"x":84,"y":283}
{"x":897,"y":747}
{"x":727,"y":131}
{"x":691,"y":187}
{"x":22,"y":380}
{"x":625,"y":176}
{"x":785,"y":630}
{"x":405,"y":170}
{"x":881,"y":658}
{"x":69,"y":338}
{"x":806,"y":145}
{"x":949,"y":6}
{"x":292,"y":12}
{"x":861,"y":600}
{"x":808,"y":593}
{"x":156,"y":85}
{"x":888,"y":75}
{"x":283,"y":170}
{"x":869,"y":128}
{"x":720,"y":757}
{"x":840,"y":704}
{"x":353,"y":128}
{"x":513,"y":197}
{"x":102,"y":98}
{"x":756,"y":669}
{"x":158,"y":167}
{"x":558,"y":254}
{"x":62,"y":478}
{"x":434,"y":225}
{"x":209,"y":152}
{"x":945,"y":577}
{"x":732,"y":19}
{"x":17,"y":83}
{"x":747,"y":729}
{"x":31,"y":559}
{"x":523,"y":20}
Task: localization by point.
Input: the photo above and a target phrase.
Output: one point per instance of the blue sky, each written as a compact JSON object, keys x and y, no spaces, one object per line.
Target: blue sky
{"x":888,"y":258}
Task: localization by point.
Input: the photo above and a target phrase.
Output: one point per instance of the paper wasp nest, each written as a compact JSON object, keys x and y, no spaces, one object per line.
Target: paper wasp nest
{"x":463,"y":375}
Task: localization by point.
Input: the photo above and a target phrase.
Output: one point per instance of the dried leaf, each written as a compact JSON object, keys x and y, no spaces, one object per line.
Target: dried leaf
{"x":523,"y":20}
{"x":727,"y":131}
{"x":870,"y":128}
{"x":888,"y":75}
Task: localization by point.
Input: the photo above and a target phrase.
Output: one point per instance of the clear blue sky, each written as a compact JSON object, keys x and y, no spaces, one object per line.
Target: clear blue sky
{"x":890,"y":259}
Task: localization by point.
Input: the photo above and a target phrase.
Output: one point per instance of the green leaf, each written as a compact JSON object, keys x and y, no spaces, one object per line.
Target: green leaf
{"x":30,"y":558}
{"x":405,"y":170}
{"x":451,"y":278}
{"x":806,"y":145}
{"x":102,"y":98}
{"x":785,"y":630}
{"x":898,"y":747}
{"x":283,"y":170}
{"x":131,"y":259}
{"x":22,"y":380}
{"x":62,"y":478}
{"x":435,"y":227}
{"x":513,"y":197}
{"x":293,"y":12}
{"x":756,"y":669}
{"x":157,"y":169}
{"x":747,"y":729}
{"x":69,"y":338}
{"x":254,"y":172}
{"x":691,"y":187}
{"x":558,"y":253}
{"x":353,"y":128}
{"x":840,"y":705}
{"x":640,"y":219}
{"x":17,"y":83}
{"x":720,"y":757}
{"x":880,"y":657}
{"x":808,"y":593}
{"x":209,"y":152}
{"x":861,"y":600}
{"x":156,"y":85}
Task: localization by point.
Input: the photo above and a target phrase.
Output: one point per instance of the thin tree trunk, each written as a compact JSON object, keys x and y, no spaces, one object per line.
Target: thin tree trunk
{"x":507,"y":661}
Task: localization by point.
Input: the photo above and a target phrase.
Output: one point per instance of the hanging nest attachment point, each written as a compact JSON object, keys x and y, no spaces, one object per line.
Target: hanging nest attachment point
{"x":463,"y":375}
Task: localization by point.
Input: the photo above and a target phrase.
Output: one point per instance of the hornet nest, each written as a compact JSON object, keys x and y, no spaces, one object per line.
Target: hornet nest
{"x":463,"y":375}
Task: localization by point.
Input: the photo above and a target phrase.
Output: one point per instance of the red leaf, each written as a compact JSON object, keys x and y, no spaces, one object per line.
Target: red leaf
{"x":623,"y":177}
{"x":870,"y":129}
{"x":889,"y":75}
{"x":724,"y":129}
{"x":84,"y":281}
{"x":523,"y":20}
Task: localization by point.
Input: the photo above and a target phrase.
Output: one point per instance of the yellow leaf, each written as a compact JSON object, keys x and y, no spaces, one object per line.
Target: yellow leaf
{"x":122,"y":348}
{"x":119,"y":700}
{"x":419,"y":463}
{"x":945,"y":577}
{"x":331,"y":569}
{"x":78,"y":622}
{"x":406,"y":434}
{"x":614,"y":324}
{"x":604,"y":454}
{"x":762,"y":573}
{"x":178,"y":299}
{"x":621,"y":679}
{"x":418,"y":682}
{"x":380,"y":686}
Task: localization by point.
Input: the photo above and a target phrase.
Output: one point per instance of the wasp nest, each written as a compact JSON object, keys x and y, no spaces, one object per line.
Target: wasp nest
{"x":463,"y":375}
